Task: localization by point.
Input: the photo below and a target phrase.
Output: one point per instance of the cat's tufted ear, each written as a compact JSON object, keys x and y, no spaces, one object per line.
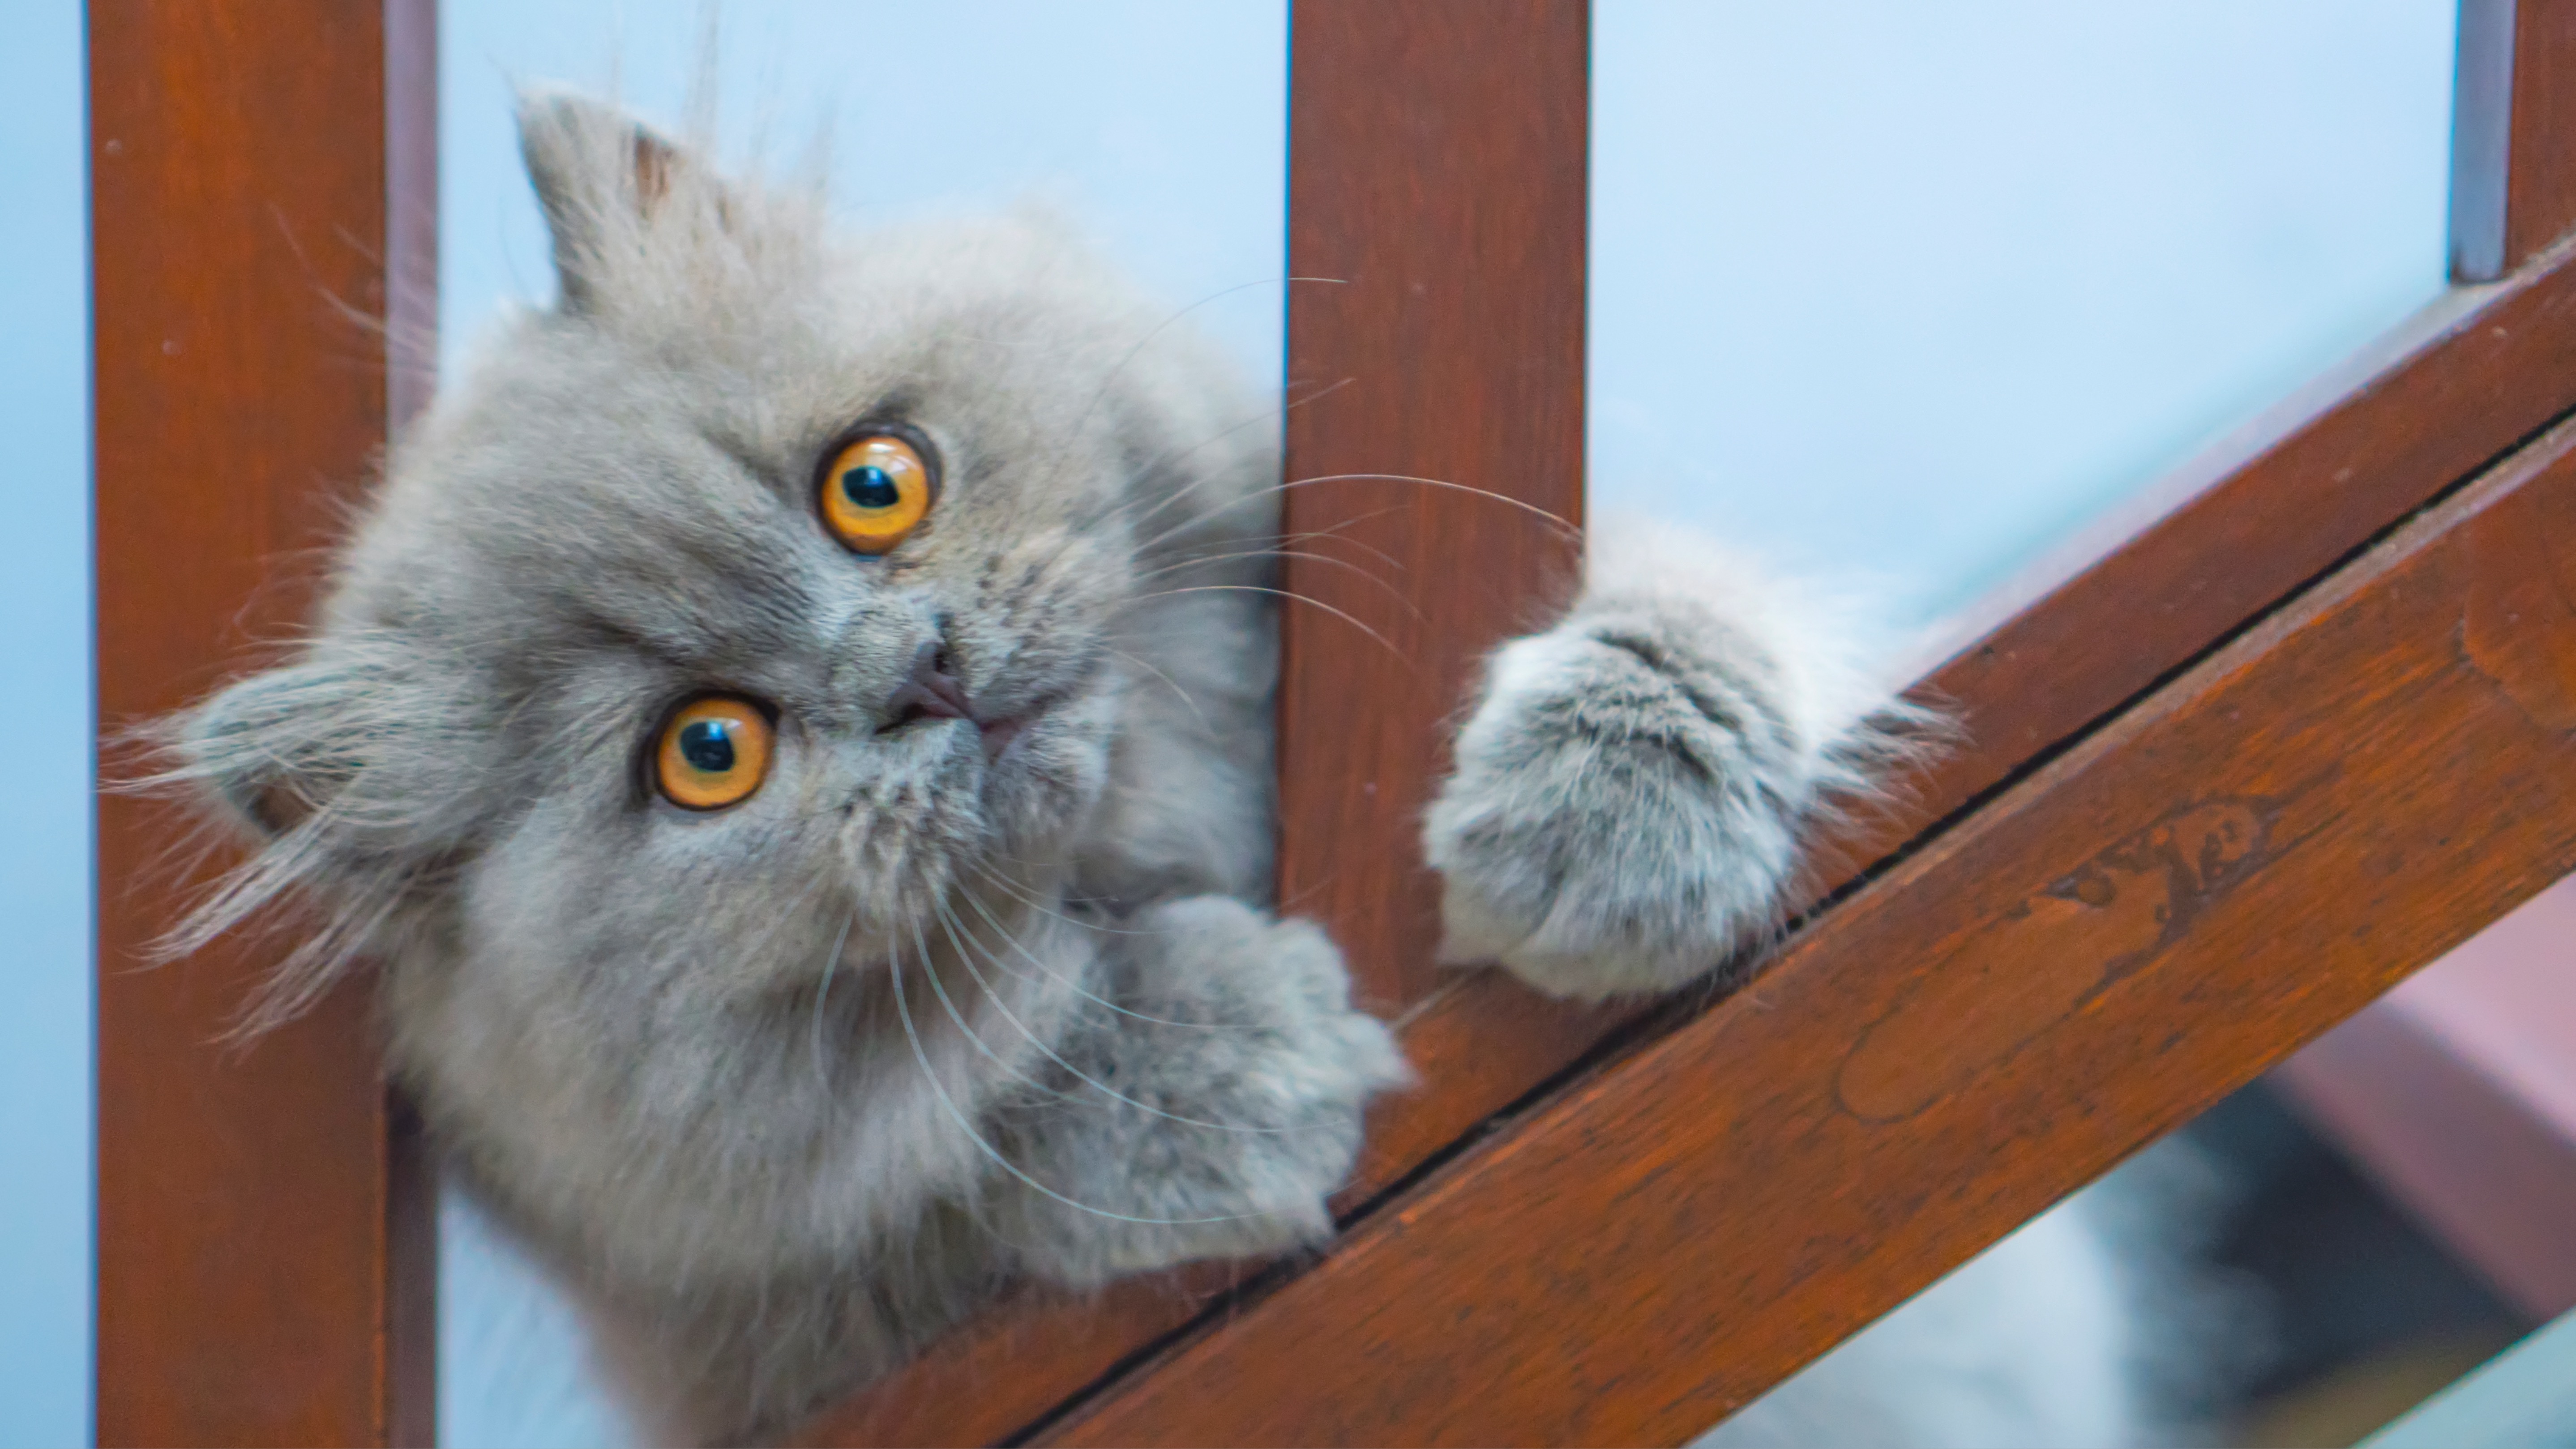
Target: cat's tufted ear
{"x":270,"y":748}
{"x":600,"y":176}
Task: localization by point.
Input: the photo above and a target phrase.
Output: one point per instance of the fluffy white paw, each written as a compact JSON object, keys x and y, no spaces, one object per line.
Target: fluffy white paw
{"x":1627,"y":802}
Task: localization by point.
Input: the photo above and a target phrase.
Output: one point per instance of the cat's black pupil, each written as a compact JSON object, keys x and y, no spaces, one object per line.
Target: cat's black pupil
{"x":869,"y":487}
{"x":707,"y":745}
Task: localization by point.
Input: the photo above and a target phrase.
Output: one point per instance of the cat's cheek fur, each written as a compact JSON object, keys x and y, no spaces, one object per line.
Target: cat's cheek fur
{"x":1631,"y":785}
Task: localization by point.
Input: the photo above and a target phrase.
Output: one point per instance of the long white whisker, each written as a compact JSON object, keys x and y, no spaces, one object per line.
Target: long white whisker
{"x":1402,"y":600}
{"x":1077,"y":987}
{"x":1280,"y":549}
{"x":903,"y":1012}
{"x":1159,"y":328}
{"x":1168,"y":683}
{"x":972,"y":1035}
{"x":1335,"y":531}
{"x":1178,"y":494}
{"x":1281,"y":543}
{"x":948,"y":924}
{"x":1340,"y":614}
{"x":823,"y":992}
{"x":1559,"y":524}
{"x":1012,"y":889}
{"x":1523,"y":505}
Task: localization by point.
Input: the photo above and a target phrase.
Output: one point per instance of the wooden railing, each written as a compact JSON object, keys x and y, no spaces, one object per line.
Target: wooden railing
{"x":2288,"y":727}
{"x":266,"y":1235}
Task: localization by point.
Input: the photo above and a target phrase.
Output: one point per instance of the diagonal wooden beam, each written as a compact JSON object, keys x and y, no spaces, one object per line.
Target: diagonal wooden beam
{"x":2249,"y":854}
{"x":265,"y":1233}
{"x":2154,"y":584}
{"x":2158,"y":583}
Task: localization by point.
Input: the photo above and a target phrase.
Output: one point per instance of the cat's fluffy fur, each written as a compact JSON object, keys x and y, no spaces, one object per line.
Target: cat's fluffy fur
{"x":783,"y":1089}
{"x":1629,"y":793}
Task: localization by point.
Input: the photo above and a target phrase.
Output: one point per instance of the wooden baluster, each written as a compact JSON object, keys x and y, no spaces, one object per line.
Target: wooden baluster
{"x":265,"y":1232}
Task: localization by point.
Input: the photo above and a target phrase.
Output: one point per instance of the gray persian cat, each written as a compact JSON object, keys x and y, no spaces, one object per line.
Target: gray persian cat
{"x":793,"y":729}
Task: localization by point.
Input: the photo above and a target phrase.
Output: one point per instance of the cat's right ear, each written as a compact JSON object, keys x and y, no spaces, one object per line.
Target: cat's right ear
{"x":599,"y":176}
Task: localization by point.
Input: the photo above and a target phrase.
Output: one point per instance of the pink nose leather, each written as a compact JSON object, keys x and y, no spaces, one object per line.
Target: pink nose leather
{"x":931,"y":692}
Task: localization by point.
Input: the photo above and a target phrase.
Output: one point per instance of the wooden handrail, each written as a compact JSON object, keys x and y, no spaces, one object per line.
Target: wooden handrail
{"x":2171,"y":575}
{"x":265,"y":1230}
{"x":2240,"y":860}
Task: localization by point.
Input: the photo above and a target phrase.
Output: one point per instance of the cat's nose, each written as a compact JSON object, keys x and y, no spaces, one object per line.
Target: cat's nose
{"x":931,"y":691}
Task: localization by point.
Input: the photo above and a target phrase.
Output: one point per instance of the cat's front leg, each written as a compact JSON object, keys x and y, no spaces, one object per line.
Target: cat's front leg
{"x":1205,"y":1104}
{"x":1631,"y":787}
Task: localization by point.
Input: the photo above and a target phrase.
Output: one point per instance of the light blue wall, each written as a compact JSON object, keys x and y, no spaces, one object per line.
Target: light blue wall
{"x":44,"y":811}
{"x":1907,"y":290}
{"x":1159,"y":123}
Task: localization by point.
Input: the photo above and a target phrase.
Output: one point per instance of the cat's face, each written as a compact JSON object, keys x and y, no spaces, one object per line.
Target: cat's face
{"x":719,"y":622}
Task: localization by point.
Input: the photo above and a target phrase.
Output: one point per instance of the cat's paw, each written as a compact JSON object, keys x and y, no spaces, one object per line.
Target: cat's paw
{"x":1224,"y":1096}
{"x":1628,"y":798}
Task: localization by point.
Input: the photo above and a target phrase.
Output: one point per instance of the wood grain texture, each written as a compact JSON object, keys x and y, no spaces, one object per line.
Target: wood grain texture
{"x":1437,"y":176}
{"x":2153,"y":584}
{"x":2513,"y":134}
{"x":2243,"y":858}
{"x":1437,"y":158}
{"x":264,"y":1237}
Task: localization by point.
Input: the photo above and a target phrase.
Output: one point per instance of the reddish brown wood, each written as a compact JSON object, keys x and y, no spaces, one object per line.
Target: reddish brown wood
{"x":263,"y":1234}
{"x":2248,"y":855}
{"x":988,"y":1381}
{"x":2513,"y":136}
{"x":1437,"y":158}
{"x":2139,"y":594}
{"x":2146,"y":589}
{"x":2164,"y":578}
{"x":2457,"y":1093}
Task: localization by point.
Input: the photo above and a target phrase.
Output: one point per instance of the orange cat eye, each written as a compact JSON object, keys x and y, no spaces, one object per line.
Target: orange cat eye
{"x":875,"y":491}
{"x":713,"y":753}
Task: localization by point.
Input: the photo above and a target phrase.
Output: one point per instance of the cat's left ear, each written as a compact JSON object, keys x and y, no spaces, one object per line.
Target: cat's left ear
{"x":270,"y":748}
{"x":602,"y":177}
